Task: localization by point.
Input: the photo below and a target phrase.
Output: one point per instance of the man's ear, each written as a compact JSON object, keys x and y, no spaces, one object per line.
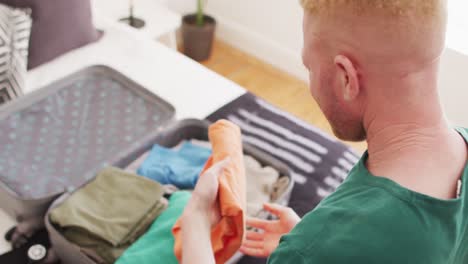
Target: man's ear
{"x":349,"y":77}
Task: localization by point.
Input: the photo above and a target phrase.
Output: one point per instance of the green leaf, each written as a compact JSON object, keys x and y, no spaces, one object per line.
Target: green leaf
{"x":200,"y":15}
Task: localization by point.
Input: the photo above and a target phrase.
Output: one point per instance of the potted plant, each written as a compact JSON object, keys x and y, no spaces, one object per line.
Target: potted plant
{"x":198,"y":33}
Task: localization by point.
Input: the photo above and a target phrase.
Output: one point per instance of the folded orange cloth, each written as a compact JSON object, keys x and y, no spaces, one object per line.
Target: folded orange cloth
{"x":227,"y":235}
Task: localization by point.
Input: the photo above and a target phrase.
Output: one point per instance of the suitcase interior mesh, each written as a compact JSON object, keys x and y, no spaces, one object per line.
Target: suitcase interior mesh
{"x":61,"y":141}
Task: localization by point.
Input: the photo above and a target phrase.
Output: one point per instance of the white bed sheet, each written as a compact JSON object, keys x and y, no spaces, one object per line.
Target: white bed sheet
{"x":192,"y":89}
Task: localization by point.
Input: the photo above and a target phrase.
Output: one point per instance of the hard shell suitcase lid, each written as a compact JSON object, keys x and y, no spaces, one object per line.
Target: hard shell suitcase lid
{"x":57,"y":138}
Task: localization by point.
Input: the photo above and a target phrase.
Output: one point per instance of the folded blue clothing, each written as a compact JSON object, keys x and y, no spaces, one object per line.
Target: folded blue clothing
{"x":177,"y":167}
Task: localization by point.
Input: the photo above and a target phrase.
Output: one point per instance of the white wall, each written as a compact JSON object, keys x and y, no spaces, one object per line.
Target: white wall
{"x":268,"y":29}
{"x":272,"y":31}
{"x":454,"y":86}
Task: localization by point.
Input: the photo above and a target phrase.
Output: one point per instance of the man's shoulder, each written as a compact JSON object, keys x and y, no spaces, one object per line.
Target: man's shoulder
{"x":357,"y":199}
{"x":345,"y":236}
{"x":353,"y":225}
{"x":327,"y":246}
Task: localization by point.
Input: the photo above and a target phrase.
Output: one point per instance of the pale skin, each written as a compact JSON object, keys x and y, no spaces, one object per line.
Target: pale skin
{"x":200,"y":215}
{"x":377,"y":82}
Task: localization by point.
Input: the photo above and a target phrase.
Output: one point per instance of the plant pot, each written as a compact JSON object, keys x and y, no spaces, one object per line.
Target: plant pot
{"x":198,"y":40}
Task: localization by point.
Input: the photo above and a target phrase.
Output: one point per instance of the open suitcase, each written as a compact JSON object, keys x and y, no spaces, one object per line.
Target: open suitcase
{"x":58,"y":137}
{"x":56,"y":140}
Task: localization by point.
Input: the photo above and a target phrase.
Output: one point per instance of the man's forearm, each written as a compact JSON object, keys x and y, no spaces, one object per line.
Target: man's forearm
{"x":196,"y":238}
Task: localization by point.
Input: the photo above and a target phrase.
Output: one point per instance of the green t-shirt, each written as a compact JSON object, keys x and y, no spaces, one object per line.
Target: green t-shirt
{"x":374,"y":220}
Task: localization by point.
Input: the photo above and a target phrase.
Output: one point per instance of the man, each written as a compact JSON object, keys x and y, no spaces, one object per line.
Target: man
{"x":374,"y":71}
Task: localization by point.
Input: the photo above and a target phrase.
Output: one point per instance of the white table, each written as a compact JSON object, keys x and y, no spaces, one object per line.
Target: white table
{"x":192,"y":89}
{"x":161,"y":23}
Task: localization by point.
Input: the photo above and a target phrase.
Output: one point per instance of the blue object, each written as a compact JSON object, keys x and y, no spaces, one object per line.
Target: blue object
{"x":177,"y":167}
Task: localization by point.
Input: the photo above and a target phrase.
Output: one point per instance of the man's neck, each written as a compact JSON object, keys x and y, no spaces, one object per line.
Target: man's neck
{"x":397,"y":141}
{"x":413,"y":145}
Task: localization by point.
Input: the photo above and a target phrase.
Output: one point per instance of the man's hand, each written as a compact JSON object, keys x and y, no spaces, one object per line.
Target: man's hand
{"x":204,"y":197}
{"x":200,"y":214}
{"x":264,"y":242}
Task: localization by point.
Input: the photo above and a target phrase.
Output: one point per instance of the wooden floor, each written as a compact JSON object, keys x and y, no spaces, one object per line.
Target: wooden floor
{"x":269,"y":83}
